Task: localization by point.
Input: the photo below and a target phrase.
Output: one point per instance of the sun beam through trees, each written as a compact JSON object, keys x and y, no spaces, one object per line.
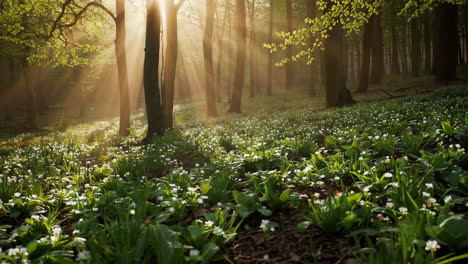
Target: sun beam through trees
{"x":233,"y":131}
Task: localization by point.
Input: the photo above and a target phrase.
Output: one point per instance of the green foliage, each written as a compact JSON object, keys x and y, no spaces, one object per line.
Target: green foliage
{"x":386,"y":175}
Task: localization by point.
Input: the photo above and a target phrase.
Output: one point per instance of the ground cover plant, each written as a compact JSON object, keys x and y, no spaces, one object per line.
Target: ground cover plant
{"x":384,"y":182}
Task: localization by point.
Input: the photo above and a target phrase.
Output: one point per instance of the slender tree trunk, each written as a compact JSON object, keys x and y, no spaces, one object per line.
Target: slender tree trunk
{"x":252,"y":50}
{"x":240,"y":61}
{"x":208,"y":59}
{"x":377,"y":50}
{"x":404,"y":54}
{"x":230,"y":60}
{"x":352,"y":60}
{"x":220,"y":60}
{"x":447,"y":36}
{"x":415,"y":47}
{"x":289,"y":48}
{"x":270,"y":55}
{"x":395,"y":63}
{"x":151,"y":71}
{"x":170,"y":67}
{"x":121,"y":55}
{"x":427,"y":43}
{"x":337,"y":94}
{"x":311,"y":6}
{"x":366,"y":58}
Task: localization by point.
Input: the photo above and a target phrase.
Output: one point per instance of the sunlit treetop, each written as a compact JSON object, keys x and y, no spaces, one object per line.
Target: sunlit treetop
{"x":351,"y":15}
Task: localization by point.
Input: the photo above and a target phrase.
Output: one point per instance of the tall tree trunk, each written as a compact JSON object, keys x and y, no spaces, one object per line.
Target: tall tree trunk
{"x":337,"y":94}
{"x":447,"y":36}
{"x":230,"y":60}
{"x":311,"y":13}
{"x":366,"y":56}
{"x":208,"y":59}
{"x":252,"y":50}
{"x":289,"y":48}
{"x":270,"y":55}
{"x":170,"y":67}
{"x":377,"y":50}
{"x":395,"y":63}
{"x":220,"y":60}
{"x":151,"y":71}
{"x":427,"y":43}
{"x":121,"y":55}
{"x":240,"y":61}
{"x":415,"y":47}
{"x":352,"y":60}
{"x":404,"y":54}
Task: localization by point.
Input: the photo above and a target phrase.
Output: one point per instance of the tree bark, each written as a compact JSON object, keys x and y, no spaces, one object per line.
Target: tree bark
{"x":311,"y":6}
{"x":240,"y":61}
{"x":121,"y":55}
{"x":337,"y":94}
{"x":289,"y":48}
{"x":447,"y":37}
{"x":404,"y":54}
{"x":208,"y":59}
{"x":395,"y":63}
{"x":270,"y":55}
{"x":170,"y":66}
{"x":427,"y":43}
{"x":415,"y":47}
{"x":366,"y":58}
{"x":252,"y":50}
{"x":151,"y":71}
{"x":377,"y":50}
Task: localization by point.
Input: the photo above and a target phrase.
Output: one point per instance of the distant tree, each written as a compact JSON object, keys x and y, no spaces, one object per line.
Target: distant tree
{"x":240,"y":61}
{"x":170,"y":65}
{"x":208,"y":59}
{"x":289,"y":48}
{"x":270,"y":55}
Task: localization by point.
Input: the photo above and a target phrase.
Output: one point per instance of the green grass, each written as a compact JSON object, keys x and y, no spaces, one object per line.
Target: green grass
{"x":389,"y":177}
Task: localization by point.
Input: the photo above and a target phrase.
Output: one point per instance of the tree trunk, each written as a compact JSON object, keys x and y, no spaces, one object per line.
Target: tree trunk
{"x":395,"y":63}
{"x":447,"y":36}
{"x":230,"y":60}
{"x":270,"y":55}
{"x":337,"y":94}
{"x":219,"y":91}
{"x":427,"y":43}
{"x":240,"y":61}
{"x":208,"y":59}
{"x":311,"y":6}
{"x":170,"y":67}
{"x":415,"y":47}
{"x":404,"y":54}
{"x":289,"y":48}
{"x":252,"y":50}
{"x":366,"y":52}
{"x":121,"y":55}
{"x":151,"y":71}
{"x":377,"y":50}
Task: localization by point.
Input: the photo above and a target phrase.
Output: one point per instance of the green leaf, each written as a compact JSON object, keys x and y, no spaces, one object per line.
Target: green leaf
{"x":205,"y":188}
{"x":302,"y":226}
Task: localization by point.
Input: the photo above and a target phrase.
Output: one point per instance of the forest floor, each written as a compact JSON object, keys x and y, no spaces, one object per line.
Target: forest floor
{"x":59,"y":118}
{"x":285,"y":182}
